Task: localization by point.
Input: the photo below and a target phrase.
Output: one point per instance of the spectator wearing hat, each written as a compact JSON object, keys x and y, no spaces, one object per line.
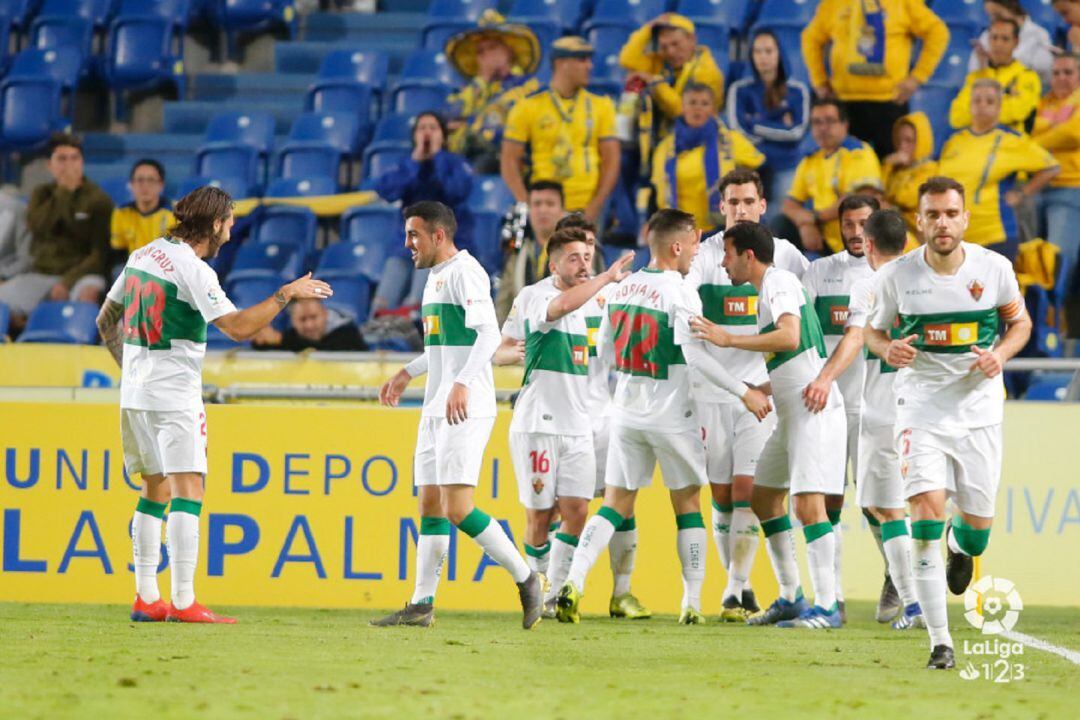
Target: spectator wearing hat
{"x":665,"y":54}
{"x":499,"y":59}
{"x":1021,"y":86}
{"x":568,"y":131}
{"x":870,"y":60}
{"x":1036,"y":48}
{"x":687,"y":165}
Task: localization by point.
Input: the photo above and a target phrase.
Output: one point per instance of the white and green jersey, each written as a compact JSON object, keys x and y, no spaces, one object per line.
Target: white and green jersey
{"x":790,"y":371}
{"x":457,"y":301}
{"x":878,"y":397}
{"x":169,"y":294}
{"x":647,"y":322}
{"x":950,"y":314}
{"x":734,"y":307}
{"x":554,"y":392}
{"x":828,"y":281}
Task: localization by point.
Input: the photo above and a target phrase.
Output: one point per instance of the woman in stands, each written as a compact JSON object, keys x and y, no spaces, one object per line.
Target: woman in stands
{"x":774,"y":112}
{"x":430,"y":173}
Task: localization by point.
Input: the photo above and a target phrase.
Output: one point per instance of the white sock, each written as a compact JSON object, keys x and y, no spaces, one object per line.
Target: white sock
{"x":780,"y":544}
{"x":182,"y":537}
{"x":146,"y":546}
{"x":721,"y":532}
{"x":838,"y":558}
{"x":875,"y":530}
{"x":929,"y":573}
{"x":552,"y":529}
{"x":537,"y":557}
{"x":744,"y":543}
{"x":498,"y":545}
{"x":562,"y":554}
{"x":622,"y":549}
{"x":820,"y":559}
{"x":594,"y":538}
{"x":431,"y":547}
{"x":692,"y":542}
{"x":898,"y":555}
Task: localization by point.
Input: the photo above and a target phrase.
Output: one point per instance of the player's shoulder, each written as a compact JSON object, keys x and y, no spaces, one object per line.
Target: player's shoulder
{"x":991,"y":259}
{"x":778,"y":280}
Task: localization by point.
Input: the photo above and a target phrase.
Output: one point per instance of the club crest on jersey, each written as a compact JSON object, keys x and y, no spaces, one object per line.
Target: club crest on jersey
{"x":601,"y":301}
{"x":537,"y":485}
{"x":740,"y":306}
{"x":976,"y":289}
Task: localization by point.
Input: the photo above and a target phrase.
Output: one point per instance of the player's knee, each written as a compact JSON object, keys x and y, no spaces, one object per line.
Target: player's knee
{"x":971,"y":540}
{"x":721,"y":494}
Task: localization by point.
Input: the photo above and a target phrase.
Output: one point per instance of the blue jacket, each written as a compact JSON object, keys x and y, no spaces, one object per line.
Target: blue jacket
{"x":777,"y":131}
{"x":446,"y":178}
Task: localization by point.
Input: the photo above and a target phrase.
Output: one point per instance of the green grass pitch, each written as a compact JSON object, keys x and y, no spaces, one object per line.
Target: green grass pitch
{"x":86,"y":661}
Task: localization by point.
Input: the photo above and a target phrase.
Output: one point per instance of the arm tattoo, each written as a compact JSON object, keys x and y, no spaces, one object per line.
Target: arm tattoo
{"x":109,"y":327}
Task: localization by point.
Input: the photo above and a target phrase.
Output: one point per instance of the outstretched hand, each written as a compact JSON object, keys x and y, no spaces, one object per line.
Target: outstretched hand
{"x":307,"y":288}
{"x":621,"y":268}
{"x":988,"y":362}
{"x":900,"y":353}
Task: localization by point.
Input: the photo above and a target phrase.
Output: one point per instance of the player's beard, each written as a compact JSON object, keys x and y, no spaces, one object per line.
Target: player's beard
{"x":860,"y":252}
{"x":944,"y":250}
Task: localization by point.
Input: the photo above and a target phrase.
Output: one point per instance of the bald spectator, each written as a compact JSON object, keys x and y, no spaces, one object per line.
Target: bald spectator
{"x":1021,"y":86}
{"x":665,"y":54}
{"x":312,"y":327}
{"x":870,"y":60}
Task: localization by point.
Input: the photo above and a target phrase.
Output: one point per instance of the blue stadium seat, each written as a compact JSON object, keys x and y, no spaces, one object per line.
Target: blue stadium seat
{"x":73,"y":323}
{"x":221,"y":160}
{"x":1048,"y":386}
{"x":733,"y":13}
{"x":339,"y":130}
{"x":393,"y":128}
{"x":238,"y":17}
{"x":791,"y":13}
{"x":280,"y":261}
{"x":5,"y":322}
{"x":382,"y":159}
{"x":342,"y":96}
{"x":717,"y":37}
{"x":254,"y":128}
{"x":237,"y":187}
{"x":410,"y":99}
{"x":62,"y":66}
{"x":301,"y":187}
{"x":486,"y":242}
{"x":97,"y":12}
{"x":429,"y":65}
{"x":564,"y":12}
{"x":286,"y":225}
{"x":248,"y":291}
{"x":217,"y":340}
{"x":953,"y":67}
{"x":29,"y":112}
{"x":62,"y":32}
{"x":352,"y":259}
{"x":625,"y":14}
{"x":141,"y":56}
{"x":380,"y":221}
{"x":351,"y":298}
{"x":437,"y":32}
{"x":459,"y":9}
{"x":176,"y":11}
{"x":116,"y":188}
{"x":490,"y":194}
{"x":310,"y":160}
{"x":369,"y":67}
{"x":960,"y":12}
{"x":608,"y":41}
{"x":1042,"y":12}
{"x":18,"y":13}
{"x":934,"y":99}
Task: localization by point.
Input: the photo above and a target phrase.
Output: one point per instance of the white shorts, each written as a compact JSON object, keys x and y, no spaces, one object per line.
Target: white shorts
{"x":601,"y":433}
{"x":163,"y":442}
{"x":964,"y":463}
{"x":632,"y":457}
{"x":450,"y":454}
{"x":852,"y":446}
{"x":552,"y":466}
{"x":805,"y":454}
{"x":734,"y":439}
{"x":878,"y":483}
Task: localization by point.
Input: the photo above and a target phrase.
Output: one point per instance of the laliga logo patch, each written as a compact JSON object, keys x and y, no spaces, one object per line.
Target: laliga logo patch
{"x":1001,"y":605}
{"x":976,"y":289}
{"x":439,"y":284}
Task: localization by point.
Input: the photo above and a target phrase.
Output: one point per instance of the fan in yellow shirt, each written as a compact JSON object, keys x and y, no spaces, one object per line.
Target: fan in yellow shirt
{"x":569,"y":134}
{"x":1021,"y":86}
{"x":841,"y":165}
{"x":149,"y":216}
{"x":986,"y":158}
{"x":687,"y":165}
{"x":910,"y":165}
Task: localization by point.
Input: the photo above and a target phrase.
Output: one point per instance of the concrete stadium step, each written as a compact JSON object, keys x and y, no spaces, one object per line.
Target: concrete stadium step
{"x":192,"y":116}
{"x":403,"y":27}
{"x":250,"y":86}
{"x":305,"y":57}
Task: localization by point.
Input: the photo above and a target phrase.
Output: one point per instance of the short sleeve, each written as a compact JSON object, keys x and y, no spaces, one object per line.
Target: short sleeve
{"x":784,"y":298}
{"x":514,"y":326}
{"x":885,"y":308}
{"x":790,"y":258}
{"x":860,"y":304}
{"x":535,"y":311}
{"x":809,"y":280}
{"x":689,"y":306}
{"x":206,"y":293}
{"x":116,"y":292}
{"x":605,"y":120}
{"x":517,"y":122}
{"x":1010,"y":304}
{"x":800,"y":191}
{"x":475,"y":296}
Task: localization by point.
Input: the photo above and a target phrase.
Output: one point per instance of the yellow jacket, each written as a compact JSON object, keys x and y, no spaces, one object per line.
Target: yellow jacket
{"x":855,"y":75}
{"x":638,"y":55}
{"x":1057,"y":128}
{"x":902,"y":183}
{"x":735,"y":150}
{"x":1022,"y":90}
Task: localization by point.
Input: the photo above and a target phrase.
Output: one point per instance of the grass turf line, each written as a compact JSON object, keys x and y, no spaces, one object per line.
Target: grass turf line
{"x":89,"y":661}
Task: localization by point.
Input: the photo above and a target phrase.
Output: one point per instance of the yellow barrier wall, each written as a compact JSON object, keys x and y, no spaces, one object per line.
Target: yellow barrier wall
{"x":314,"y":507}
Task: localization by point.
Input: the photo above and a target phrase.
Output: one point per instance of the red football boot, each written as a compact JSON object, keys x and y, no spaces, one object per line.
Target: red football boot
{"x":156,"y":611}
{"x":196,"y":613}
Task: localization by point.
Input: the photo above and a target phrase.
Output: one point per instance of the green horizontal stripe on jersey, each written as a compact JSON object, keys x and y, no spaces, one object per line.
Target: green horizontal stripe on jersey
{"x":154,"y":315}
{"x":444,"y":324}
{"x":644,"y":342}
{"x":555,"y":351}
{"x":832,"y":313}
{"x":593,"y":323}
{"x":729,"y":304}
{"x":810,"y":337}
{"x":951,"y":332}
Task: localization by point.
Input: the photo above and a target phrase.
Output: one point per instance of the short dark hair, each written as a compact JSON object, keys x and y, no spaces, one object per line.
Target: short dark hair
{"x":62,"y":139}
{"x":888,"y":231}
{"x":692,"y":87}
{"x":742,"y":177}
{"x":1011,"y":23}
{"x":562,"y":238}
{"x":855,"y":201}
{"x":555,"y":185}
{"x":576,"y":220}
{"x":1013,"y":6}
{"x":151,"y":163}
{"x":939,"y":185}
{"x":434,"y":214}
{"x":197,"y":212}
{"x":841,"y":108}
{"x":667,"y":222}
{"x":752,"y":236}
